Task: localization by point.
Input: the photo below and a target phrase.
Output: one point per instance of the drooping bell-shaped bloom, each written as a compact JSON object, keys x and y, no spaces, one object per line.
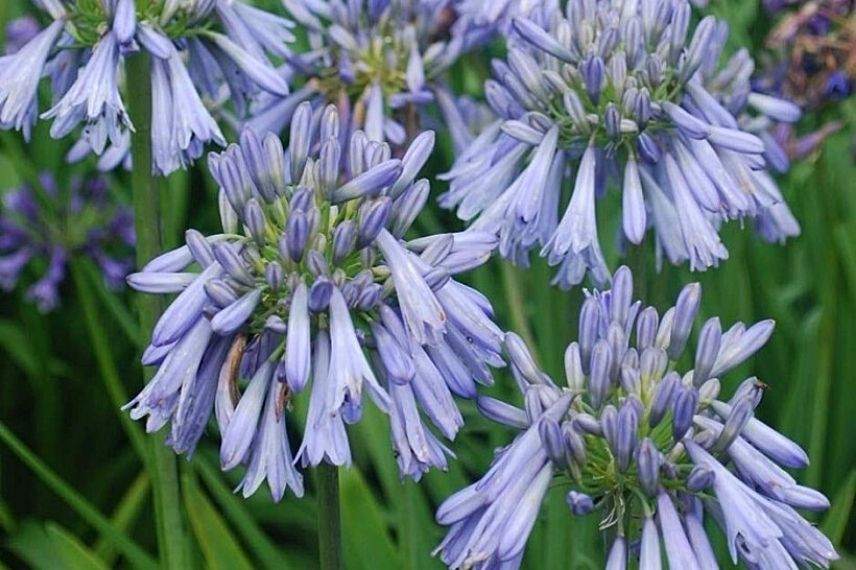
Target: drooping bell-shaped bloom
{"x":48,"y":225}
{"x":611,"y":94}
{"x":649,"y":450}
{"x":202,"y":54}
{"x":315,"y":293}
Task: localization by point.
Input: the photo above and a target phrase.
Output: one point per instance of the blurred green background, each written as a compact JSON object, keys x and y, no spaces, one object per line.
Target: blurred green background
{"x":75,"y":493}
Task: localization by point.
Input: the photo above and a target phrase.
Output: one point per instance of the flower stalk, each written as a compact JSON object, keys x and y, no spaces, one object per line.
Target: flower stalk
{"x":329,"y":519}
{"x":145,"y":189}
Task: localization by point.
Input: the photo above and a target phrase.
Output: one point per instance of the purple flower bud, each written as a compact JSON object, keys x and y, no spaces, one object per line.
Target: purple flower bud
{"x":687,"y":123}
{"x":686,"y":402}
{"x":552,"y":439}
{"x":599,"y":382}
{"x":535,"y":35}
{"x":231,"y":318}
{"x":737,"y":418}
{"x":151,"y":282}
{"x":633,"y":205}
{"x":648,"y":463}
{"x":574,"y":367}
{"x":274,"y":275}
{"x":220,"y":293}
{"x":589,"y":317}
{"x":414,"y":159}
{"x":625,"y":438}
{"x":124,"y":21}
{"x":592,"y":70}
{"x":678,"y":550}
{"x":398,"y":364}
{"x":319,"y":294}
{"x":773,"y":444}
{"x":520,"y":356}
{"x":646,"y":328}
{"x":344,"y":240}
{"x":373,"y":216}
{"x":663,"y":397}
{"x":699,"y":479}
{"x":500,"y":412}
{"x":579,"y":503}
{"x":574,"y":442}
{"x":368,"y":183}
{"x":586,"y":423}
{"x":708,"y":348}
{"x":226,"y":255}
{"x":407,"y":206}
{"x":685,"y":313}
{"x":254,"y":219}
{"x":296,"y":235}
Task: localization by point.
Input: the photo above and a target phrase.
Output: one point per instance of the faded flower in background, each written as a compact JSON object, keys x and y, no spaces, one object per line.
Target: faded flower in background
{"x":379,"y":62}
{"x":649,"y":451}
{"x":811,"y":59}
{"x":311,"y":292}
{"x":203,"y":54}
{"x":42,"y":229}
{"x":624,"y":92}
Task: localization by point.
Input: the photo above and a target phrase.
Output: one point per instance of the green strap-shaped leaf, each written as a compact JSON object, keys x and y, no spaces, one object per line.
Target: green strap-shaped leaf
{"x":219,"y":546}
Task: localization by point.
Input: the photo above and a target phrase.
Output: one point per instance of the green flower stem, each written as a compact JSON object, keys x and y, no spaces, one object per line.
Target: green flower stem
{"x":145,"y":189}
{"x":138,"y":557}
{"x":103,"y":357}
{"x":516,"y":305}
{"x":329,"y":519}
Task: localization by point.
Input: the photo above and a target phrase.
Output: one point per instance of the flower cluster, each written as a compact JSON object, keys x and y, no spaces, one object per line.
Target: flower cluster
{"x":319,"y":286}
{"x":814,"y":50}
{"x":44,"y":227}
{"x":198,"y":49}
{"x":649,"y":450}
{"x":621,"y":90}
{"x":379,"y":62}
{"x":811,"y":60}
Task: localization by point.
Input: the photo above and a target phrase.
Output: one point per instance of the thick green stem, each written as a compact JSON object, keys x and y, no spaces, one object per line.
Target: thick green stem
{"x":146,"y":188}
{"x":329,"y":520}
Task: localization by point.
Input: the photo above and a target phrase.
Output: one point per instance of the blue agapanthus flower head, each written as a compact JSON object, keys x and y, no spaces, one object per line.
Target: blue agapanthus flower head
{"x":625,"y":95}
{"x":650,"y":451}
{"x":312,"y":292}
{"x":200,"y":52}
{"x":42,"y":229}
{"x":379,"y":62}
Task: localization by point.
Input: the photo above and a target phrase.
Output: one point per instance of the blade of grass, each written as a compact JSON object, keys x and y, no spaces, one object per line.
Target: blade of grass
{"x":124,"y":515}
{"x":77,"y":502}
{"x":104,"y":358}
{"x":240,"y":517}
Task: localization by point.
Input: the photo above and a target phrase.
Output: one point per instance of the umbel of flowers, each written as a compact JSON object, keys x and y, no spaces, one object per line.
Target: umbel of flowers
{"x":43,"y":228}
{"x":311,"y":292}
{"x":211,"y":49}
{"x":379,"y":62}
{"x":649,"y":451}
{"x":622,"y":91}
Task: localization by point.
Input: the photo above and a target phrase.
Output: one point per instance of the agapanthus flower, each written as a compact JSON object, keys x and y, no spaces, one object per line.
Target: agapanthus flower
{"x":811,"y":59}
{"x":379,"y":62}
{"x":46,"y":227}
{"x":648,"y":451}
{"x":199,"y":52}
{"x":627,"y":92}
{"x":311,"y":291}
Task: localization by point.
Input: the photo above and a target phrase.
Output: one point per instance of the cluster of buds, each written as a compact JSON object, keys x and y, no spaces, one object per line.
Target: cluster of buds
{"x":648,"y":449}
{"x":311,"y":283}
{"x":47,"y":225}
{"x":379,"y":62}
{"x":619,"y":89}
